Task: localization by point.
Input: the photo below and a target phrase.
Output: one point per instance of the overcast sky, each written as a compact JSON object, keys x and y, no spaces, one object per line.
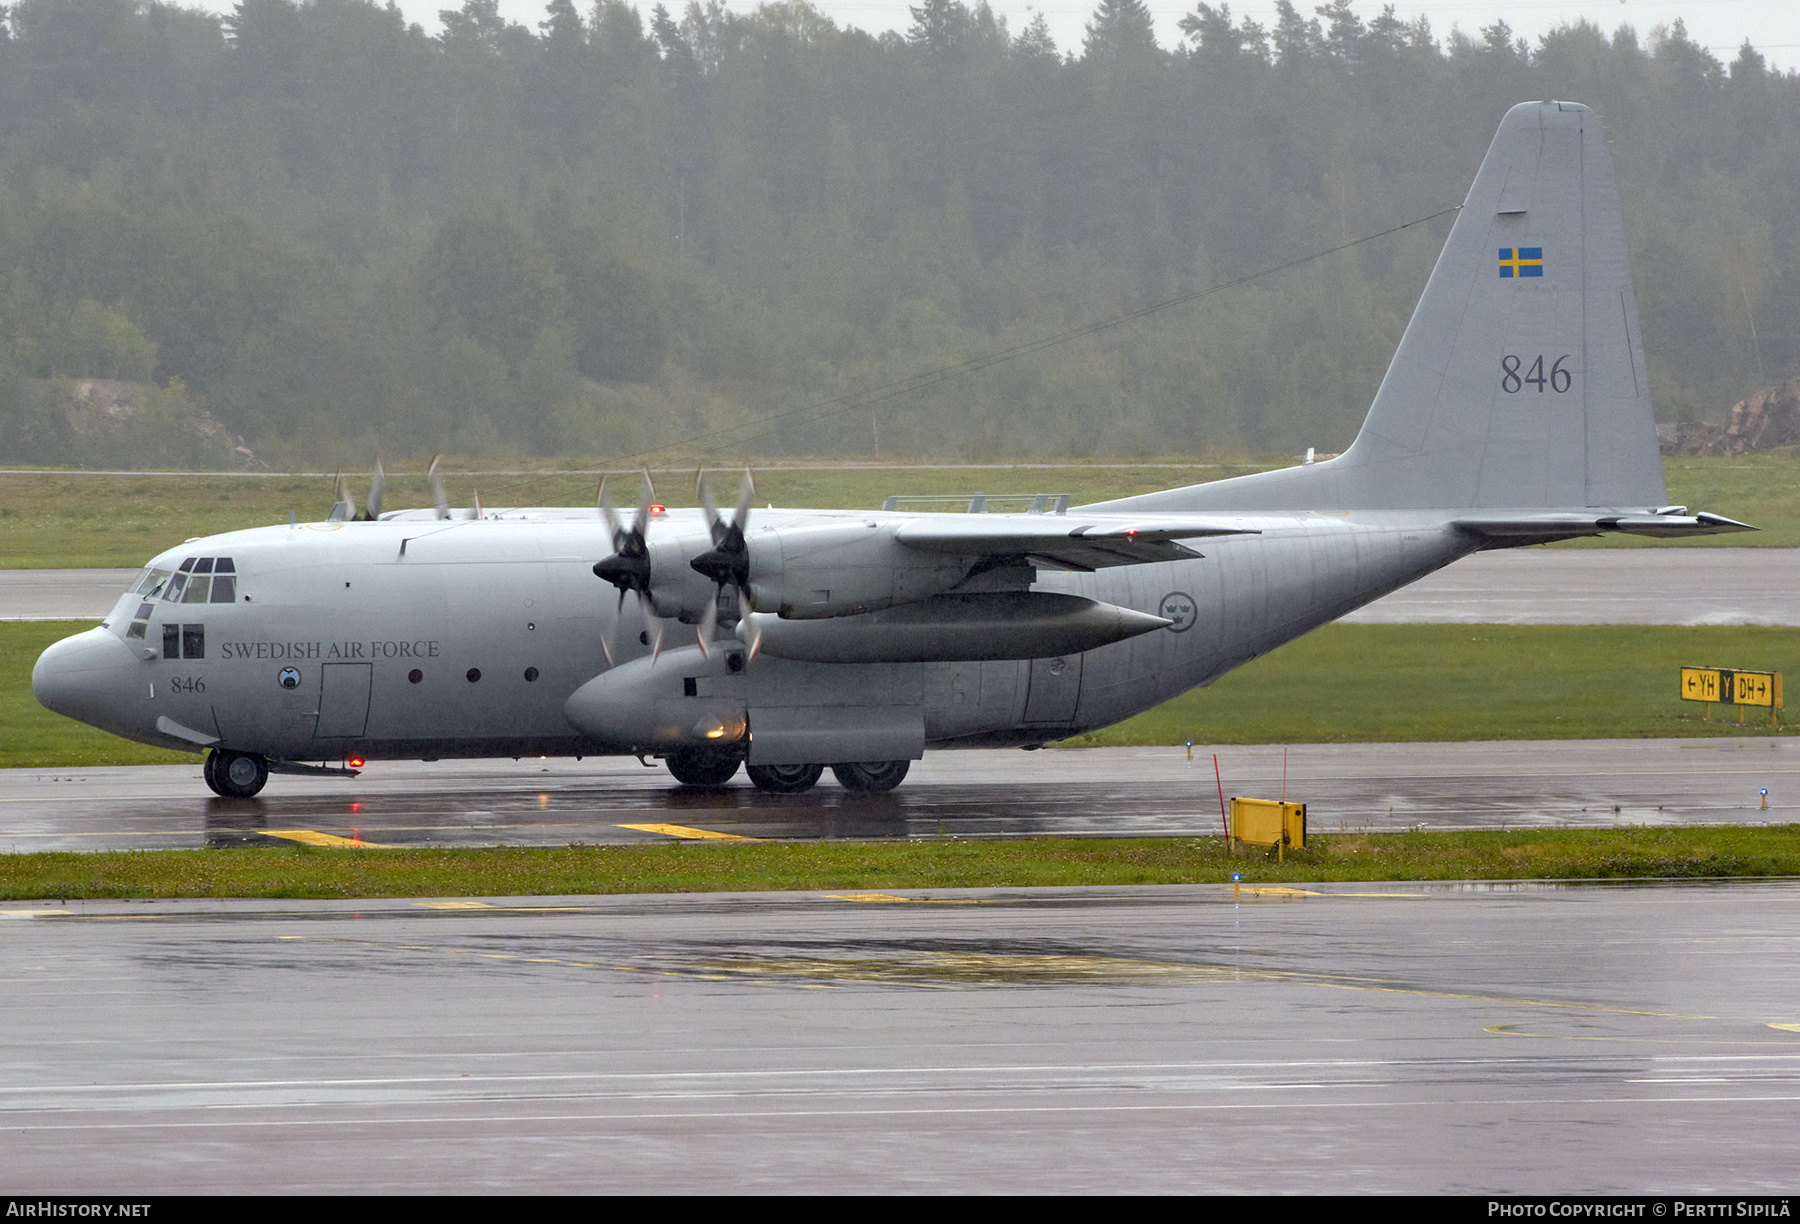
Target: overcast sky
{"x":1723,"y":25}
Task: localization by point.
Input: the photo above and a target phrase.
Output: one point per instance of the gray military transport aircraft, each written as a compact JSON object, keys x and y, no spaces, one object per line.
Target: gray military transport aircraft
{"x":1516,"y":411}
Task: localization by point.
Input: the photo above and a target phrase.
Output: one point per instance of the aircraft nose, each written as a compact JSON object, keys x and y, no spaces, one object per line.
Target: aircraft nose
{"x":83,"y":677}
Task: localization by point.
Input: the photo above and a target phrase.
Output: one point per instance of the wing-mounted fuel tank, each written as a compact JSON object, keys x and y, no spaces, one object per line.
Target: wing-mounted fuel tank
{"x":954,"y":628}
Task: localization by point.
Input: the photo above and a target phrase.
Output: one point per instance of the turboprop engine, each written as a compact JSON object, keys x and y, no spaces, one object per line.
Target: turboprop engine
{"x":836,"y":588}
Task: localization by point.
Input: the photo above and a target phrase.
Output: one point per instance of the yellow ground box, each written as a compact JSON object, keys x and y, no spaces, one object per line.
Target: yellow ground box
{"x":1266,"y":822}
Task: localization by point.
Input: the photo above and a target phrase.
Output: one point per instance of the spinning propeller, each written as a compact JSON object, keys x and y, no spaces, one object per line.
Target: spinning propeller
{"x":727,"y":562}
{"x":629,"y":566}
{"x":341,"y":510}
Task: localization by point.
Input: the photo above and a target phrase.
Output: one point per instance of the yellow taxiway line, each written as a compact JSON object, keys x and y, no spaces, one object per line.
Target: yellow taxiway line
{"x":682,"y":831}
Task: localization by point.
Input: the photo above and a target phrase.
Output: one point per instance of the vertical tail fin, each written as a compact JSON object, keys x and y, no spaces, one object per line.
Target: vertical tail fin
{"x":1520,"y":379}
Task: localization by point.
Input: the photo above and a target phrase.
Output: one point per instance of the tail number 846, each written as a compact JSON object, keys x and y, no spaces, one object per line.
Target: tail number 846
{"x":1558,"y":379}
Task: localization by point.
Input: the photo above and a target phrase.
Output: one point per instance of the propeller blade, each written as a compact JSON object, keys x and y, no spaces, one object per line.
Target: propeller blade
{"x":611,"y":631}
{"x":438,"y":497}
{"x":746,"y":494}
{"x":744,"y":621}
{"x":341,"y":509}
{"x":709,"y":622}
{"x":708,"y":504}
{"x":609,"y":514}
{"x":375,"y":491}
{"x":653,"y":625}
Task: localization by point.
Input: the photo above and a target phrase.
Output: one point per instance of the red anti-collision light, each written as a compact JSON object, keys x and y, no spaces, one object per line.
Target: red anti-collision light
{"x":356,"y":762}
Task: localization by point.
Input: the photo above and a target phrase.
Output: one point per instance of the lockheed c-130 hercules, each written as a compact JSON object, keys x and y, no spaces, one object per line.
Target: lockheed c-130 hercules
{"x":1516,"y":411}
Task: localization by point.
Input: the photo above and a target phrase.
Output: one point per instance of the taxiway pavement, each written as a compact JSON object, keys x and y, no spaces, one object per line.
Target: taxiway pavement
{"x":1444,"y":1038}
{"x":1094,"y":791}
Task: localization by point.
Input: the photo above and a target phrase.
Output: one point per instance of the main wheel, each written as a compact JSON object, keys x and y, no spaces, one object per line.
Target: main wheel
{"x":702,"y":766}
{"x":235,"y":775}
{"x":784,"y":779}
{"x":871,"y":775}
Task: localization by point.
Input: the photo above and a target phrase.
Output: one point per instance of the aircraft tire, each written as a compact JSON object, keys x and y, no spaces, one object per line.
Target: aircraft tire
{"x":784,"y":779}
{"x":703,"y":766}
{"x":870,"y":776}
{"x":235,"y":775}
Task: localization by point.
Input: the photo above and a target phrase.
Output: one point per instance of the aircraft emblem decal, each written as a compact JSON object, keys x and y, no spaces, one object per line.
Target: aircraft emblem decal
{"x":1521,"y":261}
{"x":1179,"y":607}
{"x":288,"y":678}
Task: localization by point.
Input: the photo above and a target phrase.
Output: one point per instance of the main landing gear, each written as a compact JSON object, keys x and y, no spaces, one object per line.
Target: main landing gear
{"x":870,"y":776}
{"x":784,"y":779}
{"x":235,"y":775}
{"x":713,"y":768}
{"x":703,"y":766}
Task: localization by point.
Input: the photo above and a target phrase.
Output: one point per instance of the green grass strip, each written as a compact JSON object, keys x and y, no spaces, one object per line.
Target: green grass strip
{"x":307,"y":872}
{"x":1397,"y":683}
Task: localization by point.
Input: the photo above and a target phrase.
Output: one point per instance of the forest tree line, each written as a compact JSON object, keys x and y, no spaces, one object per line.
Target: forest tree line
{"x":621,"y":231}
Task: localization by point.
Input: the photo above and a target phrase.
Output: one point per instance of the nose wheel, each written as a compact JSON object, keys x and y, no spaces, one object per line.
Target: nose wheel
{"x":235,"y":775}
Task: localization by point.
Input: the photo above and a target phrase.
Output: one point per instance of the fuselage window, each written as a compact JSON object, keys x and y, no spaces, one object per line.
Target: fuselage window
{"x":193,"y":641}
{"x":136,"y":630}
{"x":171,"y":641}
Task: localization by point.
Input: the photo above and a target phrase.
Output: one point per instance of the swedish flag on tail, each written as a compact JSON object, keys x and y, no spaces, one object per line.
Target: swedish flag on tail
{"x":1521,"y":261}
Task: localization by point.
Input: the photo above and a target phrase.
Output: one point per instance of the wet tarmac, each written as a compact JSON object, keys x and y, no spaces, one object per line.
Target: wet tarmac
{"x":1100,"y":791}
{"x":1528,"y":586}
{"x":1463,"y":1039}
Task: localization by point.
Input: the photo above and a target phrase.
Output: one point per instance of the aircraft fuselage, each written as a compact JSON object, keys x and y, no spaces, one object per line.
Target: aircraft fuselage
{"x":425,"y":639}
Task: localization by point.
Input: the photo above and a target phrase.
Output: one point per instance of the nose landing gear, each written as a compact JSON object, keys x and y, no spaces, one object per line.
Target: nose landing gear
{"x":235,"y":775}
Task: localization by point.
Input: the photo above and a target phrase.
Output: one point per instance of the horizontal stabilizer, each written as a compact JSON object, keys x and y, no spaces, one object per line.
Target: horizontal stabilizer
{"x":1559,"y":525}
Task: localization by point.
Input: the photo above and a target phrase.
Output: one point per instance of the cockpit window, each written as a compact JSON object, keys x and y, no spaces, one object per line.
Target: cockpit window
{"x":198,"y":581}
{"x":150,"y":582}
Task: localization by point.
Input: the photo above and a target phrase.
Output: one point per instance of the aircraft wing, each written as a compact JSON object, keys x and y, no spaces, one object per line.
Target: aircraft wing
{"x":1059,"y":541}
